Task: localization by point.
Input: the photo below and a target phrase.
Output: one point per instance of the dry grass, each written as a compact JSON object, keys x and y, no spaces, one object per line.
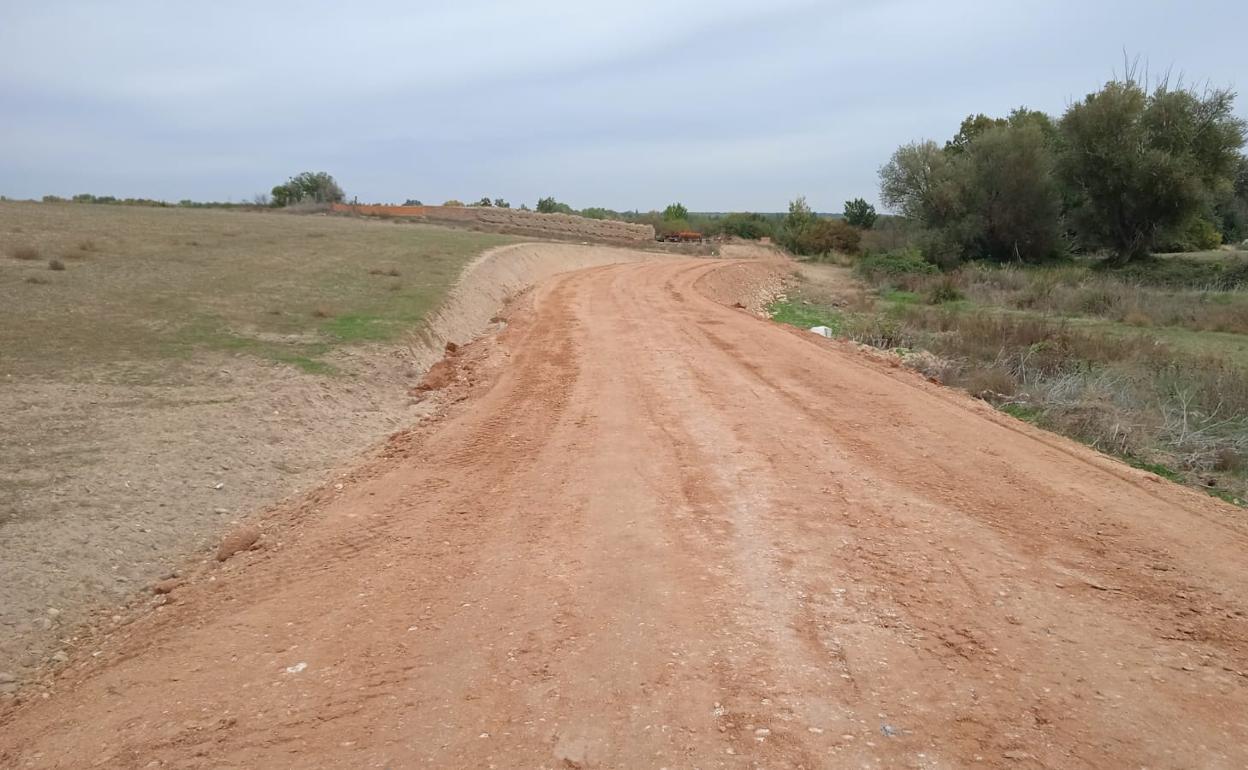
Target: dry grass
{"x":25,"y":253}
{"x":158,"y":298}
{"x":1128,"y":367}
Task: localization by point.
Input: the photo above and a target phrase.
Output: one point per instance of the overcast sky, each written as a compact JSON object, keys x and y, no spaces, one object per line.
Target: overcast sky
{"x":724,"y":105}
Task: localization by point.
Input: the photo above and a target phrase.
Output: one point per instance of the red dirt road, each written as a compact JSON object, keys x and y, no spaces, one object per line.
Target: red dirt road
{"x":660,"y":532}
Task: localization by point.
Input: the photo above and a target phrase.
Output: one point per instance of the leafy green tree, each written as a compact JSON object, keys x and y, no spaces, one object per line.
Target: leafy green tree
{"x":917,"y":181}
{"x":1231,"y":206}
{"x":308,"y":187}
{"x":859,"y":213}
{"x":990,"y":194}
{"x":799,"y":220}
{"x":412,"y":202}
{"x":826,"y":236}
{"x":484,"y":202}
{"x":1009,"y":196}
{"x":549,"y":205}
{"x":1141,"y":164}
{"x":974,"y":126}
{"x":675,"y":211}
{"x":594,"y":212}
{"x":501,"y":204}
{"x":746,"y":225}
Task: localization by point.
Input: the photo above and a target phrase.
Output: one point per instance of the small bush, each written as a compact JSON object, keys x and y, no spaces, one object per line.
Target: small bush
{"x":87,"y":245}
{"x":943,"y":290}
{"x":56,"y":264}
{"x":27,"y":253}
{"x":322,"y":312}
{"x":891,"y":264}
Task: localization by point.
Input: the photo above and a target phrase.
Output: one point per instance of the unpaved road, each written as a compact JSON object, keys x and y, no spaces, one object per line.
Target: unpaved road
{"x":660,"y":532}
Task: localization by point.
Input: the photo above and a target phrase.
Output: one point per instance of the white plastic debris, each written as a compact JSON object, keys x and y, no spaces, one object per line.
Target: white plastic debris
{"x":822,"y":330}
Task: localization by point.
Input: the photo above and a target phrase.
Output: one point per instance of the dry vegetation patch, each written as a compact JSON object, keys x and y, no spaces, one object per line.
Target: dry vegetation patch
{"x":1150,"y":364}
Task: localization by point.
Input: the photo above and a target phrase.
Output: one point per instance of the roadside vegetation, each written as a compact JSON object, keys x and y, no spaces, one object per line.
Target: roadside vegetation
{"x":1087,"y":274}
{"x":1150,"y":365}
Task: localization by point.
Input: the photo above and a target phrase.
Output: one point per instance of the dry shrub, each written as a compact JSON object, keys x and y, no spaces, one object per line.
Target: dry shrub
{"x":56,"y":264}
{"x":393,"y":272}
{"x":1100,"y":425}
{"x":87,"y":245}
{"x":24,"y":252}
{"x":1137,"y":317}
{"x":991,"y":383}
{"x":36,"y":279}
{"x":322,"y":312}
{"x":932,"y":366}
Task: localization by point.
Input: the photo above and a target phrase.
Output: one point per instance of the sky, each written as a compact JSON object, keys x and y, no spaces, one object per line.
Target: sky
{"x":723,"y":105}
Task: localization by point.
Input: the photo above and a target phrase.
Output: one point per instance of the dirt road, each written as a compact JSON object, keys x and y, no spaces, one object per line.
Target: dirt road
{"x":658,"y":531}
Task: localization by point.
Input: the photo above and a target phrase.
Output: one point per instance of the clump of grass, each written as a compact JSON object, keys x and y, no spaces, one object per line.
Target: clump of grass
{"x":25,"y":252}
{"x":943,"y":290}
{"x":803,"y":315}
{"x":321,"y":311}
{"x":56,"y":264}
{"x":892,"y":265}
{"x":393,"y":272}
{"x":88,"y":245}
{"x":36,"y":279}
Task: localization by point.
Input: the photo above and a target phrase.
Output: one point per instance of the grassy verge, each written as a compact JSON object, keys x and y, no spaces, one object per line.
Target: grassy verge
{"x":1166,"y":394}
{"x":146,"y":285}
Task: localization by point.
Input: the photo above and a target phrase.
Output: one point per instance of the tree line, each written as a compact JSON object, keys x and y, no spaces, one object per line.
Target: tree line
{"x":1127,"y":171}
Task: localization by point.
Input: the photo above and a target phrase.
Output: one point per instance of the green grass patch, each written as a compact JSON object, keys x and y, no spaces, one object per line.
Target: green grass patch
{"x":899,"y":297}
{"x":804,"y":316}
{"x":1164,"y":471}
{"x":360,"y":328}
{"x":1023,"y":412}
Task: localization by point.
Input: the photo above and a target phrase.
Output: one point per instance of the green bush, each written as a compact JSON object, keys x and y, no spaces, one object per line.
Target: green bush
{"x":828,"y":236}
{"x":749,"y":226}
{"x":894,"y":263}
{"x":943,"y":290}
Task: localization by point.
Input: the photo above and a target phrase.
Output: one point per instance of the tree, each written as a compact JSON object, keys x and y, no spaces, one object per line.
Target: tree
{"x":484,"y":202}
{"x":976,"y":125}
{"x":308,"y":187}
{"x":412,"y":202}
{"x":501,"y":204}
{"x":859,"y":213}
{"x":1141,"y":164}
{"x":916,"y":182}
{"x":551,"y":206}
{"x":990,"y":194}
{"x":826,"y":236}
{"x":674,"y":212}
{"x":1231,"y":206}
{"x":799,"y":218}
{"x":1009,"y":198}
{"x":746,"y":225}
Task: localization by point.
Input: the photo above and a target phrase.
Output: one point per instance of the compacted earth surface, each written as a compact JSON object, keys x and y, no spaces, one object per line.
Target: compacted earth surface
{"x":644,"y":527}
